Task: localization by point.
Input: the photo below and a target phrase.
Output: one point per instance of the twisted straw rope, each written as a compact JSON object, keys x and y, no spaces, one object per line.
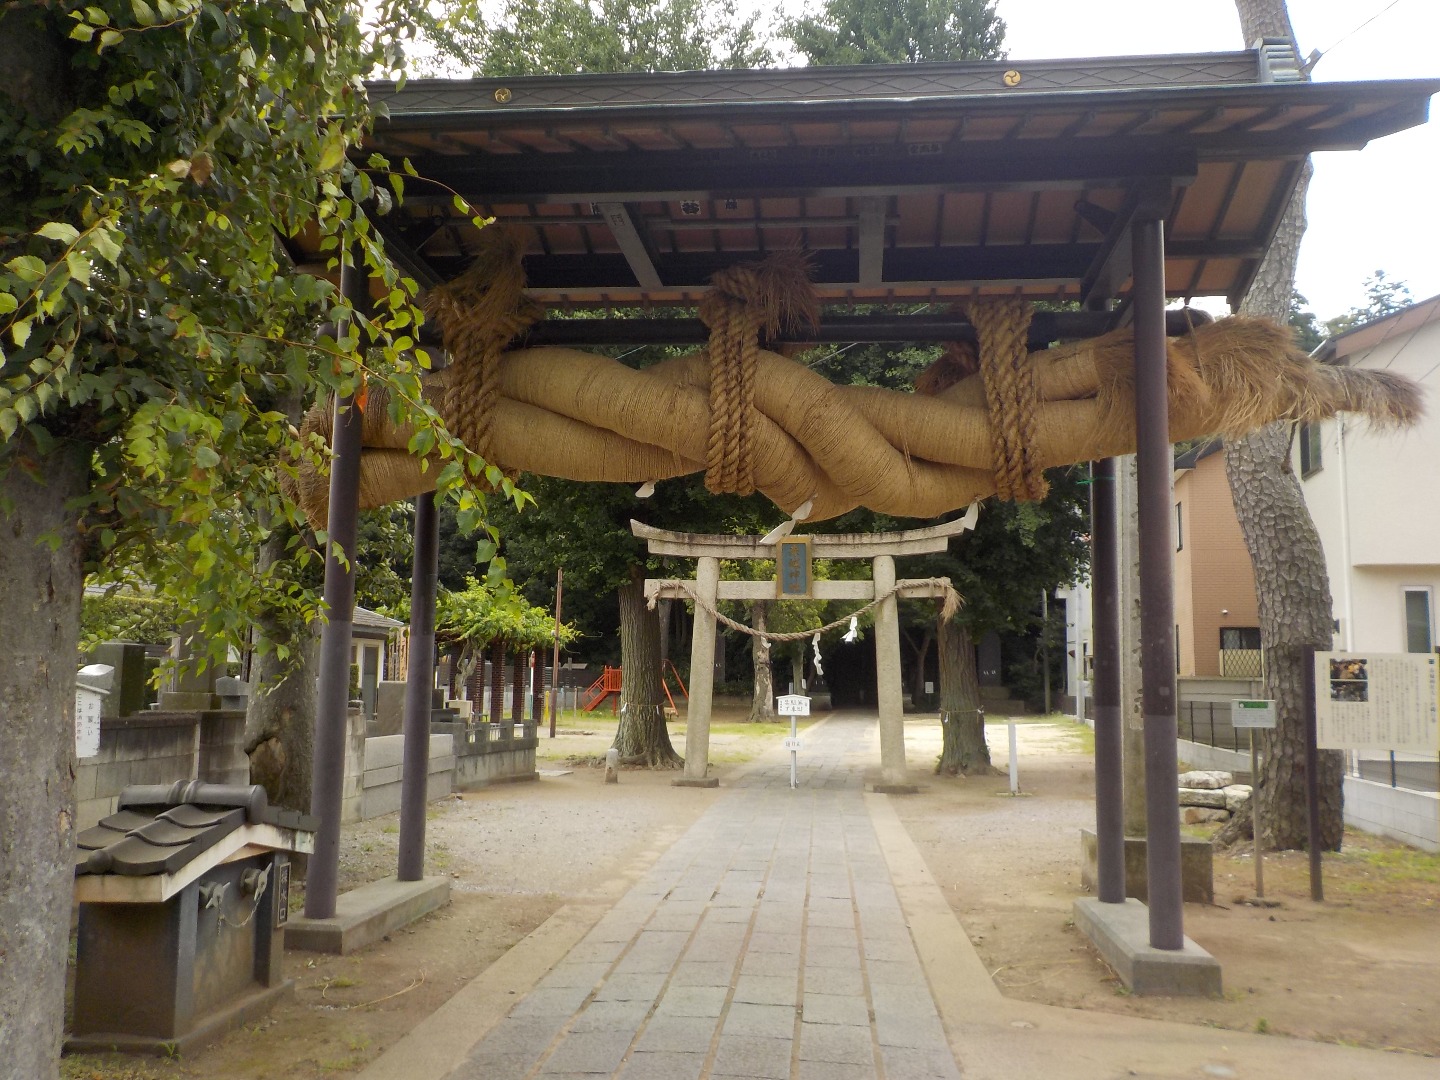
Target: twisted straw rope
{"x":1002,"y":327}
{"x":951,"y":605}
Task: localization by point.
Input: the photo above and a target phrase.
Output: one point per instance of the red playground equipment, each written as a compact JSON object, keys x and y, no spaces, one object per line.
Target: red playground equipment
{"x":608,"y":686}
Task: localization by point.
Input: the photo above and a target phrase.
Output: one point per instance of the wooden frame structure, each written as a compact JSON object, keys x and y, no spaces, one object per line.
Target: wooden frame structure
{"x":1116,"y":183}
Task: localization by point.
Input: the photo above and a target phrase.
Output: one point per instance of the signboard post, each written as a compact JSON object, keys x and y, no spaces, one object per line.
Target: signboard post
{"x":793,"y":705}
{"x":1254,"y":716}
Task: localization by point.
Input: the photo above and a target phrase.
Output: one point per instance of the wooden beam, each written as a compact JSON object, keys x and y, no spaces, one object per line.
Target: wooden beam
{"x":872,"y":240}
{"x":632,"y":244}
{"x":1111,"y":266}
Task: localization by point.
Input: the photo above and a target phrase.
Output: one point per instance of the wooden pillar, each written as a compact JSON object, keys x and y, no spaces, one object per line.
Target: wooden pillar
{"x":517,"y":685}
{"x":702,"y":676}
{"x":419,"y":681}
{"x":327,"y":773}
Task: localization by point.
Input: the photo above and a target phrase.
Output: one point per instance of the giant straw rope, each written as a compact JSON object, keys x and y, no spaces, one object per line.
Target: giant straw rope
{"x":754,"y":420}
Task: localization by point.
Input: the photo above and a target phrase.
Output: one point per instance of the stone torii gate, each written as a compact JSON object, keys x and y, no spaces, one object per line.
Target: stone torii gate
{"x":706,"y":589}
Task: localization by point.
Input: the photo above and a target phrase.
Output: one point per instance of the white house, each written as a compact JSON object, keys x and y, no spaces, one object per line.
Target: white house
{"x":1375,"y":495}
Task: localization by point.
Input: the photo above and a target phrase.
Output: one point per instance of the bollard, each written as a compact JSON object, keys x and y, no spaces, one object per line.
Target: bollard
{"x":612,"y":766}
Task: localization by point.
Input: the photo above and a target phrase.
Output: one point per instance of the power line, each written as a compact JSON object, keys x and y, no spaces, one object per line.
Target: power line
{"x":1346,"y":37}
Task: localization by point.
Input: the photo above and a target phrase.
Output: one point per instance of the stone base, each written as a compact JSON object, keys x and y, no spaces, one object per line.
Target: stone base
{"x":1122,"y":934}
{"x":693,"y":781}
{"x":896,"y":789}
{"x":222,"y":1021}
{"x":365,"y":915}
{"x":1197,"y":869}
{"x":188,"y":701}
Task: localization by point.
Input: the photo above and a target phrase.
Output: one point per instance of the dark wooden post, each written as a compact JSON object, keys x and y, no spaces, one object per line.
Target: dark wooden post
{"x":517,"y":685}
{"x":537,"y":695}
{"x":1155,"y":467}
{"x":327,"y":773}
{"x":419,"y":683}
{"x":497,"y":681}
{"x":1105,"y":631}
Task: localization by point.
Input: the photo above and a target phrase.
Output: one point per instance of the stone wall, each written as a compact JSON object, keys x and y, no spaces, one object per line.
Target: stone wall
{"x":158,"y":748}
{"x":383,"y":759}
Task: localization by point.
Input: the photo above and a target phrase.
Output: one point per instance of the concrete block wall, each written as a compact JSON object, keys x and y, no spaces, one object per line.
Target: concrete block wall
{"x":480,"y":770}
{"x":383,"y":758}
{"x":1411,"y":817}
{"x":158,"y":748}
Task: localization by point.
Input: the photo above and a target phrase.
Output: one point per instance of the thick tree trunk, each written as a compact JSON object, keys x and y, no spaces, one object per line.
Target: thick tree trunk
{"x":280,"y":720}
{"x":762,"y":704}
{"x":40,"y":591}
{"x":642,"y":737}
{"x":963,"y":749}
{"x":1291,"y":582}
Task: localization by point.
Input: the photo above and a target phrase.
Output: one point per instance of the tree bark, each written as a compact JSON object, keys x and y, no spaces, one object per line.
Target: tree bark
{"x":762,"y":704}
{"x":1291,"y":582}
{"x":40,"y":593}
{"x":642,"y":737}
{"x":280,"y":717}
{"x":963,"y":749}
{"x":922,"y":653}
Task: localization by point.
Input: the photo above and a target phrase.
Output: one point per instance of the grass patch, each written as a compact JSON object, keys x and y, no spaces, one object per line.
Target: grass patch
{"x":1394,"y":863}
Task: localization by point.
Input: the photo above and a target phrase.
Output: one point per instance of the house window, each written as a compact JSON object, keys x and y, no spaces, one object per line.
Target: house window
{"x":1240,"y":655}
{"x":1309,"y":449}
{"x":1419,"y":629}
{"x":1179,"y":526}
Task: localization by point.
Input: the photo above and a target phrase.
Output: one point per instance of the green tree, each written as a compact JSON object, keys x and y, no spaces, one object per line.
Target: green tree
{"x":1308,"y":331}
{"x":156,"y":156}
{"x":1383,"y":296}
{"x":899,"y":31}
{"x":554,"y":37}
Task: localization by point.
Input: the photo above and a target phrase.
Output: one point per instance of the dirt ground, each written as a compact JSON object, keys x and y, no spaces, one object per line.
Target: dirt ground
{"x":1362,"y":968}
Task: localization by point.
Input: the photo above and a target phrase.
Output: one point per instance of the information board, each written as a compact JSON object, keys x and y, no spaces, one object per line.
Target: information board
{"x":1377,"y":701}
{"x":792,"y":705}
{"x":1248,"y":713}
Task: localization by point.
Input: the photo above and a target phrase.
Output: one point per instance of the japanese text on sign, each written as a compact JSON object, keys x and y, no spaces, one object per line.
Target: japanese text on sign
{"x":1377,"y":701}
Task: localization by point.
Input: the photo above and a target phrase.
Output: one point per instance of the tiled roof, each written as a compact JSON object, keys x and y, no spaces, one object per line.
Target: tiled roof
{"x":159,"y":829}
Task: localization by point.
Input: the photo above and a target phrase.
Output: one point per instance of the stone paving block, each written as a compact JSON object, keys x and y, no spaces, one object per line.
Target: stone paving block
{"x":848,"y":1044}
{"x":833,"y":1070}
{"x":567,"y":974}
{"x":551,"y":1001}
{"x":775,"y":1021}
{"x":915,"y":1031}
{"x":518,"y":1037}
{"x":680,"y":907}
{"x":693,"y":1001}
{"x":677,"y":1034}
{"x":588,"y":1052}
{"x":907,"y":1064}
{"x":905,"y":973}
{"x":497,"y":1067}
{"x":739,"y":913}
{"x":841,"y":956}
{"x":766,"y":989}
{"x":752,"y":1057}
{"x":663,"y":1065}
{"x":774,"y":943}
{"x":684,"y":924}
{"x":891,"y":949}
{"x":611,"y":1016}
{"x":822,"y":937}
{"x":599,"y":952}
{"x":641,"y":987}
{"x":703,"y":973}
{"x":851,"y":1009}
{"x":898,"y":997}
{"x":834,"y":980}
{"x":771,"y":964}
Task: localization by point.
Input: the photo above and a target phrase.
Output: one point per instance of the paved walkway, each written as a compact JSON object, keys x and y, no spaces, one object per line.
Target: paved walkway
{"x":799,"y":934}
{"x":767,"y":942}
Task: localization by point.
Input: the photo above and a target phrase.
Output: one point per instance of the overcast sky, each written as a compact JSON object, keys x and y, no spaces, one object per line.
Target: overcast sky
{"x":1375,"y":209}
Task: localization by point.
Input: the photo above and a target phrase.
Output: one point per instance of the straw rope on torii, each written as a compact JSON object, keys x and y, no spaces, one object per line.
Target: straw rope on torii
{"x":753,"y":420}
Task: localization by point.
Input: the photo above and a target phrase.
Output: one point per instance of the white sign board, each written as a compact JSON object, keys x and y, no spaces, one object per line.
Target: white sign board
{"x":792,"y":705}
{"x":87,"y":721}
{"x":1252,"y":714}
{"x":1378,"y":701}
{"x":793,"y":745}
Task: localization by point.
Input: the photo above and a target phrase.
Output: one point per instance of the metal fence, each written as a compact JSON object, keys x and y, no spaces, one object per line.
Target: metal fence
{"x":1242,"y":664}
{"x":1208,"y":722}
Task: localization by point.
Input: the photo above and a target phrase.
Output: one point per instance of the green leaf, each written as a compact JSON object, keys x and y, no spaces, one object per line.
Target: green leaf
{"x":21,"y":332}
{"x":109,"y":38}
{"x":206,"y":457}
{"x":59,"y":230}
{"x":8,"y":303}
{"x":8,"y":422}
{"x":79,"y":266}
{"x":144,"y":15}
{"x":82,"y":32}
{"x":27,"y":267}
{"x":334,"y":151}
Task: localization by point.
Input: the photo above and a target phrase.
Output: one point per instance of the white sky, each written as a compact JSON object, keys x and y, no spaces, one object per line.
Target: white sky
{"x":1375,"y":209}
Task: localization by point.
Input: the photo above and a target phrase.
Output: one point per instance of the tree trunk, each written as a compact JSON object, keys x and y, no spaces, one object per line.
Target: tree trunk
{"x":963,"y":750}
{"x":642,"y":737}
{"x":40,"y":592}
{"x":664,"y":610}
{"x":917,"y":687}
{"x":280,"y":718}
{"x":1291,"y":583}
{"x":762,"y":705}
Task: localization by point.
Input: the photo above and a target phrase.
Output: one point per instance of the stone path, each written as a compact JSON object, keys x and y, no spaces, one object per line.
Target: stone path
{"x":768,"y":942}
